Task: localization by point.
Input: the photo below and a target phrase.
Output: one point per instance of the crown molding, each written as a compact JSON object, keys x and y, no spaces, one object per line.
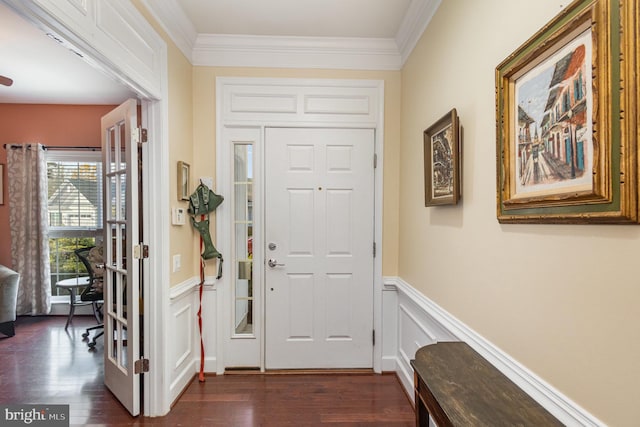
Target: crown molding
{"x":293,"y":52}
{"x":175,"y":22}
{"x":416,"y":20}
{"x":296,"y":52}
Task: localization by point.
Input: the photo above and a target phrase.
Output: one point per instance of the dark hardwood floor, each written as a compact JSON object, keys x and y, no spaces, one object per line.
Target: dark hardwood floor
{"x":43,"y":363}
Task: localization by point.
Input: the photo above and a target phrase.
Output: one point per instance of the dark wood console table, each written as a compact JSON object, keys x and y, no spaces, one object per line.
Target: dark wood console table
{"x":458,"y":387}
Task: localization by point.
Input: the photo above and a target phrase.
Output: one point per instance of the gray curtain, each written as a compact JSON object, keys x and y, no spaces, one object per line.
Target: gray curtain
{"x":27,"y":176}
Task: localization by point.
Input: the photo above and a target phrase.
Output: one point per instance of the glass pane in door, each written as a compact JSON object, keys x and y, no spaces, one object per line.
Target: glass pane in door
{"x":243,"y":236}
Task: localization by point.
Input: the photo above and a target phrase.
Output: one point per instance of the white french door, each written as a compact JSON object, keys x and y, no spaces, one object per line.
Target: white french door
{"x":319,"y":234}
{"x":122,"y":268}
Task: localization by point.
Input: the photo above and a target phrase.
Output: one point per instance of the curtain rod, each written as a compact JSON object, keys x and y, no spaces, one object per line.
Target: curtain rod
{"x":53,"y":147}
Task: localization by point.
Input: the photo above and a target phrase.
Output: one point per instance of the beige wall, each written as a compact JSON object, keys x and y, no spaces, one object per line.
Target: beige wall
{"x":204,"y":83}
{"x":561,"y":299}
{"x":192,"y":132}
{"x":181,"y":148}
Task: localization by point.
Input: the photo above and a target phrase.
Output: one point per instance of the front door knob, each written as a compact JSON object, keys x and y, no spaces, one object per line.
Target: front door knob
{"x":273,"y":263}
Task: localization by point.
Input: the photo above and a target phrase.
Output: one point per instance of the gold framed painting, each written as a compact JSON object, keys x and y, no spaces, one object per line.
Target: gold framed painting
{"x":442,"y":161}
{"x":566,"y":119}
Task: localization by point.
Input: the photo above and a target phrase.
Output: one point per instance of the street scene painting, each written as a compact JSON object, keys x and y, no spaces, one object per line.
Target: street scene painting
{"x":442,"y":161}
{"x":553,"y":150}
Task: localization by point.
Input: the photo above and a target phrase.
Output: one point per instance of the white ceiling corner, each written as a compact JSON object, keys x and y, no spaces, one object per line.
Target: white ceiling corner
{"x":175,"y":22}
{"x":415,"y":21}
{"x":293,"y":51}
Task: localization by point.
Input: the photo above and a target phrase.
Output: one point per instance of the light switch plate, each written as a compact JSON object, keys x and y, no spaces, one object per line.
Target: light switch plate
{"x":178,"y":216}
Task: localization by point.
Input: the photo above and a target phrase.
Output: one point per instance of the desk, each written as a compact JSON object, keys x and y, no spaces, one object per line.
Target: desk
{"x":72,"y":285}
{"x":457,"y":387}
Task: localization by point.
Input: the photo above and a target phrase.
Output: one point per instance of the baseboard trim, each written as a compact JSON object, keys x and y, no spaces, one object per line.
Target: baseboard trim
{"x":256,"y":371}
{"x":566,"y":410}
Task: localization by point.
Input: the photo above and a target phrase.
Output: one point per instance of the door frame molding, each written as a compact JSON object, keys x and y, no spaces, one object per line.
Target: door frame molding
{"x":257,"y":103}
{"x":150,"y":82}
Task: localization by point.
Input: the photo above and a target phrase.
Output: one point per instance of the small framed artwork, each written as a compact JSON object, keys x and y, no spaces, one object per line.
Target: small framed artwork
{"x":183,"y":181}
{"x":1,"y":184}
{"x":442,"y":161}
{"x":566,"y":144}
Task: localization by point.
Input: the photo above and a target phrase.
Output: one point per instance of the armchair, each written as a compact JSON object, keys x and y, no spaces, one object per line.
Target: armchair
{"x":9,"y":281}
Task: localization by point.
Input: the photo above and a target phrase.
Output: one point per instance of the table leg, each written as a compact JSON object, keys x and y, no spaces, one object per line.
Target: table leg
{"x":72,"y":306}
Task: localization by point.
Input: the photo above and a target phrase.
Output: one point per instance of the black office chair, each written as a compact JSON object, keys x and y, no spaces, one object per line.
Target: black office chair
{"x":93,"y":261}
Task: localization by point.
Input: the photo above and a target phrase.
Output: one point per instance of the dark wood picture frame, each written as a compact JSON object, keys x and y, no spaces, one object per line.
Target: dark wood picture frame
{"x":442,"y":161}
{"x":566,"y":146}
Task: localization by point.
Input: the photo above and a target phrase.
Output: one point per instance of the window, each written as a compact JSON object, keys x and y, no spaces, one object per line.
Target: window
{"x":243,"y":225}
{"x":578,"y":92}
{"x":566,"y":105}
{"x":75,"y":209}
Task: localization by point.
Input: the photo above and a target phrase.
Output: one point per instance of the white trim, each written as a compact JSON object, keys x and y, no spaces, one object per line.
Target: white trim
{"x":296,"y":52}
{"x":102,"y":49}
{"x":175,"y":22}
{"x":183,"y":359}
{"x":184,"y":336}
{"x":226,"y":50}
{"x":60,"y":307}
{"x":177,"y":291}
{"x":297,"y":92}
{"x":157,"y":400}
{"x":416,"y":20}
{"x":378,"y":223}
{"x":566,"y":410}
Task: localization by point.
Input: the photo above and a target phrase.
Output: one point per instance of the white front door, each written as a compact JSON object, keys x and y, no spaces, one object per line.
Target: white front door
{"x":122,"y":269}
{"x":319,"y":230}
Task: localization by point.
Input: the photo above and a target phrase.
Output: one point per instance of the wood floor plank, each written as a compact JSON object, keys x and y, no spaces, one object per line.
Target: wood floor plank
{"x":43,"y":363}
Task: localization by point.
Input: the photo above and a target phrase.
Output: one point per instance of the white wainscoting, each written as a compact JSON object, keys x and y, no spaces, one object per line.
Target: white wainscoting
{"x":411,"y":321}
{"x":184,"y":343}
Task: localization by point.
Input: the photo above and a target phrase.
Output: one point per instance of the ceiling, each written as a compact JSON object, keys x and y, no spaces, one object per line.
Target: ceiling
{"x":45,"y":72}
{"x":305,"y":18}
{"x":211,"y":32}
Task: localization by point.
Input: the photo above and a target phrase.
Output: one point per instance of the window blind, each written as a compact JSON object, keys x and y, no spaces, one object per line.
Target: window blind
{"x":74,"y":192}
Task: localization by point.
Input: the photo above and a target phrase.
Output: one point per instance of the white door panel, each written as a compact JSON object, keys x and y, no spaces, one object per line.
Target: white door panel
{"x":122,"y":271}
{"x":319,"y":215}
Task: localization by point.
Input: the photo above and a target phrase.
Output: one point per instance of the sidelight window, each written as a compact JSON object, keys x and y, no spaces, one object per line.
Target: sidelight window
{"x":243,"y":239}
